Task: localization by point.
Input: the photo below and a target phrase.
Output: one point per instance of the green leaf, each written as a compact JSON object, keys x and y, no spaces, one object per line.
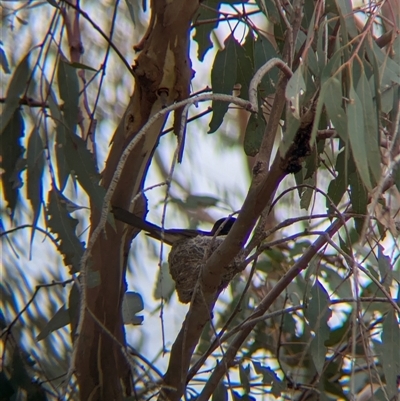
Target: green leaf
{"x":12,"y":163}
{"x":385,"y":269}
{"x":270,"y":378}
{"x":82,"y":162}
{"x":64,"y":226}
{"x":391,"y":353}
{"x":203,"y":31}
{"x":340,"y":334}
{"x":245,"y":64}
{"x":223,"y":78}
{"x":254,"y":134}
{"x":359,"y":199}
{"x":134,"y":10}
{"x":356,"y":128}
{"x":244,"y":374}
{"x":63,"y":169}
{"x":307,"y":194}
{"x":292,"y":126}
{"x":318,"y":112}
{"x":60,"y":319}
{"x":345,"y":9}
{"x":331,"y":67}
{"x":389,"y":70}
{"x":69,"y":92}
{"x":371,"y":135}
{"x":318,"y":313}
{"x":264,"y":51}
{"x":195,"y":201}
{"x":268,"y":7}
{"x":35,"y":166}
{"x":4,"y":62}
{"x":295,"y":91}
{"x":334,"y":107}
{"x":15,"y":89}
{"x":165,"y":285}
{"x":131,"y":305}
{"x":339,"y":285}
{"x":81,"y":66}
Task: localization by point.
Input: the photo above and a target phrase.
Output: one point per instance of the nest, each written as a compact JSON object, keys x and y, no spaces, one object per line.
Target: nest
{"x":187,"y":258}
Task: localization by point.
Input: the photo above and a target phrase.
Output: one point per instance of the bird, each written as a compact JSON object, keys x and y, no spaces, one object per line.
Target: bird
{"x":188,"y":250}
{"x":171,"y":236}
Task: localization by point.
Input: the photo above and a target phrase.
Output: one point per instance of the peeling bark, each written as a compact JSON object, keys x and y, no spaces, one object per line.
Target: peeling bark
{"x":162,"y":76}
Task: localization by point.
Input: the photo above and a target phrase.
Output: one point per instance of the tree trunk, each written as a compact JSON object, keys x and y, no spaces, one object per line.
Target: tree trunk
{"x":162,"y":68}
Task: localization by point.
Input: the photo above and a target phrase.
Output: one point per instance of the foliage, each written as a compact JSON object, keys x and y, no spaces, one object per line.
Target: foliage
{"x":333,"y":331}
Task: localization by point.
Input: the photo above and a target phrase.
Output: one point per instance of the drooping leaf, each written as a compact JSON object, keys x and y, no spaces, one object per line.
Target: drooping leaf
{"x":4,"y":62}
{"x":223,"y":78}
{"x":345,"y":9}
{"x":292,"y":125}
{"x":35,"y":166}
{"x":63,"y":225}
{"x":244,"y":374}
{"x":60,"y":319}
{"x":340,"y":286}
{"x":371,"y":135}
{"x":69,"y":92}
{"x":332,"y":66}
{"x":15,"y":89}
{"x":12,"y":162}
{"x":318,"y":113}
{"x":82,"y":162}
{"x":245,"y":64}
{"x":165,"y":285}
{"x":385,"y":269}
{"x":334,"y":107}
{"x":264,"y":51}
{"x":268,"y":7}
{"x":254,"y":134}
{"x":318,"y":313}
{"x":134,"y":10}
{"x":131,"y":305}
{"x":359,"y":199}
{"x":208,"y":11}
{"x":295,"y":91}
{"x":389,"y":70}
{"x":63,"y":169}
{"x":271,"y":378}
{"x":307,"y":194}
{"x":391,"y":353}
{"x":356,"y":129}
{"x":81,"y":66}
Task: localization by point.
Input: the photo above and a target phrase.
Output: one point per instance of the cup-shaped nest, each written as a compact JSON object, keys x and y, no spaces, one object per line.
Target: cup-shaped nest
{"x":187,"y":258}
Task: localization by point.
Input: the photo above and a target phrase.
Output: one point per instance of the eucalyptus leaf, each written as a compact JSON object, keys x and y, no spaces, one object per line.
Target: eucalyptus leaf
{"x":12,"y":162}
{"x":318,"y":313}
{"x":60,"y":319}
{"x":131,"y":305}
{"x":356,"y":128}
{"x":15,"y":89}
{"x":223,"y":78}
{"x":371,"y":134}
{"x":35,"y":168}
{"x":64,"y":226}
{"x":254,"y":134}
{"x":203,"y":31}
{"x":391,"y":353}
